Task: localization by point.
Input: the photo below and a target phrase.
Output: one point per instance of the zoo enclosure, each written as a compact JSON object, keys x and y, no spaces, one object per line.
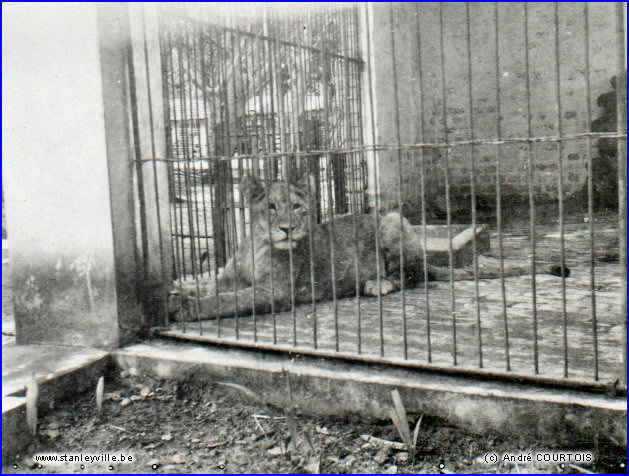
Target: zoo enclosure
{"x":248,"y":93}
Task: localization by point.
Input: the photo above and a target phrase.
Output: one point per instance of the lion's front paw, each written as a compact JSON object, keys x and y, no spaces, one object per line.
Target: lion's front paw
{"x":371,"y":287}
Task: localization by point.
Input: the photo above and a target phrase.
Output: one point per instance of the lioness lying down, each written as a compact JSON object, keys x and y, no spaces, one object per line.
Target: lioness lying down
{"x":285,"y":208}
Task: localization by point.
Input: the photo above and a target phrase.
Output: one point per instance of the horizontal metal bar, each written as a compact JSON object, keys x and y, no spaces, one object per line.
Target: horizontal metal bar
{"x":271,"y":39}
{"x":570,"y":383}
{"x":384,"y":147}
{"x":195,"y":235}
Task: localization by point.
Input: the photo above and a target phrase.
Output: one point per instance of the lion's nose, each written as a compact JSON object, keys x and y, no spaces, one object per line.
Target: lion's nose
{"x":287,"y":228}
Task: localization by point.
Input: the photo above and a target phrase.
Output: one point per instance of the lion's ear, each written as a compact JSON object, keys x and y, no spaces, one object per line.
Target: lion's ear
{"x":308,"y":185}
{"x":251,"y":188}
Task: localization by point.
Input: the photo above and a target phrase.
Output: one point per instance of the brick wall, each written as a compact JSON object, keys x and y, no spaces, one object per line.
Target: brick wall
{"x":413,"y":55}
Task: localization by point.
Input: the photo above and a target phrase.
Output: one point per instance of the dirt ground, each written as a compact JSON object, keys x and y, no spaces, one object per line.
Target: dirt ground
{"x":196,"y":426}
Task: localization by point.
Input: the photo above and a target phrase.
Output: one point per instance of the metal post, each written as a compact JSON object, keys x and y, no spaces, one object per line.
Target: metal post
{"x":621,"y":111}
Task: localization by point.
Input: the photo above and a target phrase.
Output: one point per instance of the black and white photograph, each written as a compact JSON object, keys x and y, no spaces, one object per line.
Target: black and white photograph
{"x":314,"y":237}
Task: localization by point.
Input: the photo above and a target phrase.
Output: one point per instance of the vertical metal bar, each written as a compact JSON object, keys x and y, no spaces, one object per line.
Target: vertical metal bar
{"x":253,"y":151}
{"x":228,"y":143}
{"x":472,"y":176}
{"x":299,"y":98}
{"x":621,"y":121}
{"x":270,"y":61}
{"x":211,"y":167}
{"x":222,"y":106}
{"x":178,"y":124}
{"x":422,"y":134}
{"x":531,"y":189}
{"x":358,"y":94}
{"x":399,"y":163}
{"x":312,"y":205}
{"x":283,"y":134}
{"x":447,"y":183}
{"x":349,"y":102}
{"x":269,"y":162}
{"x":232,"y":134}
{"x":286,"y":136}
{"x":218,"y":190}
{"x":137,"y":147}
{"x":228,"y":152}
{"x":216,"y":195}
{"x":498,"y":194}
{"x":376,"y":212}
{"x":560,"y":192}
{"x":191,"y":54}
{"x":163,"y":46}
{"x":192,"y":47}
{"x":590,"y":186}
{"x":184,"y":118}
{"x":325,"y":58}
{"x":239,"y":98}
{"x":311,"y":210}
{"x":201,"y":45}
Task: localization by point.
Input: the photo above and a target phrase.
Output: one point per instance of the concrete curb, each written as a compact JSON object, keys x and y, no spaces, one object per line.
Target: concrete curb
{"x":337,"y":388}
{"x":59,"y":380}
{"x":15,"y":435}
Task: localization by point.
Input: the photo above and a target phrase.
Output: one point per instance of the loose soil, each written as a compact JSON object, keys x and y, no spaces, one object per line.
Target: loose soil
{"x":192,"y":425}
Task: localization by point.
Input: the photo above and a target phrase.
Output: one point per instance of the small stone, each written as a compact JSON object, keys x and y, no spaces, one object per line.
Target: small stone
{"x":179,"y":458}
{"x":135,"y":398}
{"x":195,"y":441}
{"x":349,"y":460}
{"x":313,"y":467}
{"x":144,"y":392}
{"x":275,"y":451}
{"x":401,"y":457}
{"x":52,"y":434}
{"x":55,"y":425}
{"x":382,"y":455}
{"x":125,"y":402}
{"x":167,"y":437}
{"x":113,"y":396}
{"x":391,"y":469}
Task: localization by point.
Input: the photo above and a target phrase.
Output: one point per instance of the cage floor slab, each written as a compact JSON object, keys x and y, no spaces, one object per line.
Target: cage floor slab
{"x":355,"y":324}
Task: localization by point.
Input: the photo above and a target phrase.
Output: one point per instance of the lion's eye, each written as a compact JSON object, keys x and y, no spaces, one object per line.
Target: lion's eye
{"x":272,"y":207}
{"x":296,"y":206}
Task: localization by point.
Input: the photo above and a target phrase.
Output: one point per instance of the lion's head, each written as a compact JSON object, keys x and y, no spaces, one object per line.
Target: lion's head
{"x":280,"y":209}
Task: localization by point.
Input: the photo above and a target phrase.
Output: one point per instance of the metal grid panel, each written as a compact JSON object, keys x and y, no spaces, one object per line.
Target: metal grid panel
{"x":280,"y":95}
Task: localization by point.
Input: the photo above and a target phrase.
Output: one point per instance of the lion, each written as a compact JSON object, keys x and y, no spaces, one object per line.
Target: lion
{"x":258,"y":277}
